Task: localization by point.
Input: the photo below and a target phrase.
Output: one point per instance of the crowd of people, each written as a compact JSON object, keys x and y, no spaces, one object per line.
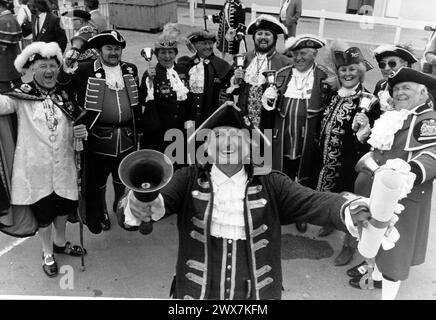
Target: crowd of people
{"x":321,"y":118}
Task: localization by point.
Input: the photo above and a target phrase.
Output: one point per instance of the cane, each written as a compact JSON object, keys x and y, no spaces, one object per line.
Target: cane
{"x":78,"y":148}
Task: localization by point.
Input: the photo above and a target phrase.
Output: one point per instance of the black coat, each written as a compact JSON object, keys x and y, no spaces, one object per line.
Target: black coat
{"x":164,"y":111}
{"x":51,"y":31}
{"x":216,"y":80}
{"x":272,"y":200}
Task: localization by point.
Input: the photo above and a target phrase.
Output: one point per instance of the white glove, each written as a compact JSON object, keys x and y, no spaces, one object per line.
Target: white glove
{"x":268,"y":98}
{"x":136,"y":211}
{"x":402,"y":167}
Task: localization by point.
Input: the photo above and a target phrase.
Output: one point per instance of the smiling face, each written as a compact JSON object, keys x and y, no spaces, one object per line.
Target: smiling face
{"x":349,"y":76}
{"x":204,"y":48}
{"x":408,"y":95}
{"x":390,"y":65}
{"x":166,"y":57}
{"x":46,"y":72}
{"x":304,"y":58}
{"x":228,"y":145}
{"x":264,"y":41}
{"x":110,"y":55}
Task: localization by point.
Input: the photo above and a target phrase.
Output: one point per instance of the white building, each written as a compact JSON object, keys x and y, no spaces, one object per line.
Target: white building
{"x":422,"y":10}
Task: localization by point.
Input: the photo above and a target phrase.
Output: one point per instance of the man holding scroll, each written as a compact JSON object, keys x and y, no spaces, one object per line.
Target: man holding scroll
{"x":407,"y":133}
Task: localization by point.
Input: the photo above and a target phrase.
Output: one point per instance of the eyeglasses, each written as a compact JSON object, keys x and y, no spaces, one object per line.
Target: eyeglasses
{"x":392,"y":64}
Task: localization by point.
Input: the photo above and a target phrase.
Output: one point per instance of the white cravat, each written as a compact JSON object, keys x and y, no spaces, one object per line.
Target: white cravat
{"x":301,"y":84}
{"x":253,"y":74}
{"x":177,"y":84}
{"x":114,"y":77}
{"x":347,"y":92}
{"x":196,"y":77}
{"x":228,"y":207}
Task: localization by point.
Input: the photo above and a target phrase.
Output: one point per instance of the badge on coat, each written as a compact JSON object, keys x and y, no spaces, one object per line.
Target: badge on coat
{"x":425,"y":130}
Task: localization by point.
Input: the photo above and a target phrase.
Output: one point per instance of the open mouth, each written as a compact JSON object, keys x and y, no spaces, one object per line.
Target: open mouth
{"x":49,"y":77}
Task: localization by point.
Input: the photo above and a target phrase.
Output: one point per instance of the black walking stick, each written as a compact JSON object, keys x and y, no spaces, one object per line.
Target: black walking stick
{"x":204,"y":14}
{"x":78,"y":151}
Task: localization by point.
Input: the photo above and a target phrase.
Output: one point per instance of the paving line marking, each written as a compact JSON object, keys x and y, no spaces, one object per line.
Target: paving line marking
{"x":13,"y":245}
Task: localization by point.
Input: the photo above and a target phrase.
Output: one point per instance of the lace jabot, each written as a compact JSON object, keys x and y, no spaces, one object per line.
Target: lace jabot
{"x":385,"y":127}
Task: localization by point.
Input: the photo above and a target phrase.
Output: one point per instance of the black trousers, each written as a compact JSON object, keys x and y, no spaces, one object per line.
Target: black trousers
{"x":290,"y":167}
{"x":97,"y":170}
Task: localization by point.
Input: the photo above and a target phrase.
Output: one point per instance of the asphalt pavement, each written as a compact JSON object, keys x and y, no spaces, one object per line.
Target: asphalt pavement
{"x":123,"y":264}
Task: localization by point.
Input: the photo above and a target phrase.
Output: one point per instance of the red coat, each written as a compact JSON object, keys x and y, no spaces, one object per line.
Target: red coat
{"x":417,"y":145}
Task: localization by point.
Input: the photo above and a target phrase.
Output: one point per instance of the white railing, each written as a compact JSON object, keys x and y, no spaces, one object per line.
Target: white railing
{"x":365,"y":21}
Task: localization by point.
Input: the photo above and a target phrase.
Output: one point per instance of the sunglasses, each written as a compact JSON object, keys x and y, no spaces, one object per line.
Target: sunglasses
{"x":392,"y":64}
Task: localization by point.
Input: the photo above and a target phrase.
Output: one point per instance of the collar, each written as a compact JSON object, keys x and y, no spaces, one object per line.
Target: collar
{"x":305,"y":73}
{"x":219,"y":177}
{"x":345,"y":92}
{"x":42,"y":15}
{"x":98,"y":65}
{"x":422,"y":108}
{"x":43,"y":91}
{"x":95,"y":10}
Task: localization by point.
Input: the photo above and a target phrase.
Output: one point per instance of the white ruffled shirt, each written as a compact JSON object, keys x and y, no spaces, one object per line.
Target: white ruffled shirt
{"x":301,"y":84}
{"x":253,"y":74}
{"x":196,"y":77}
{"x":385,"y":127}
{"x":228,"y":207}
{"x":114,"y":77}
{"x":177,"y":84}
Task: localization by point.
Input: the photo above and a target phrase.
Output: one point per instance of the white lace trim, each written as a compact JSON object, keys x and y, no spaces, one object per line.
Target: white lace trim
{"x":345,"y":92}
{"x":253,"y":74}
{"x":385,"y":127}
{"x":114,"y":77}
{"x":177,"y":84}
{"x":196,"y":78}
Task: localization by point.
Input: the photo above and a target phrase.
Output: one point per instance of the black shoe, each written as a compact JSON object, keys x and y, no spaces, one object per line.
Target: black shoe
{"x":106,"y":223}
{"x":68,"y":248}
{"x":49,"y":265}
{"x":325,"y":231}
{"x":358,"y":271}
{"x":355,"y":283}
{"x":301,"y":226}
{"x":345,"y":256}
{"x":94,"y":228}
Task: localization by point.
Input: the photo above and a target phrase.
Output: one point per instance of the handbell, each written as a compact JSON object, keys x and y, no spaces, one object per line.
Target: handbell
{"x":147,"y":53}
{"x":239,"y":60}
{"x":270,"y":76}
{"x":367,"y":164}
{"x":367,"y":101}
{"x":145,"y":172}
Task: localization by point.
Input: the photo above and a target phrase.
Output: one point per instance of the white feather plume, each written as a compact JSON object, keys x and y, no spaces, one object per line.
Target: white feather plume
{"x":46,"y":50}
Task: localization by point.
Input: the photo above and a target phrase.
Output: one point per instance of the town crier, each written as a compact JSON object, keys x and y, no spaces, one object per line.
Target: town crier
{"x":108,"y":90}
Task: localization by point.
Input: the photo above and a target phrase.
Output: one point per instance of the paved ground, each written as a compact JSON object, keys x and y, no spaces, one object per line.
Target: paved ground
{"x":125,"y":264}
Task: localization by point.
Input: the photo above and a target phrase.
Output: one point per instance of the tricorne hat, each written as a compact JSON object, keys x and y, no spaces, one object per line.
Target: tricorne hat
{"x":107,"y":37}
{"x":228,"y":115}
{"x":265,"y":21}
{"x":387,"y":50}
{"x":201,"y":36}
{"x":85,"y":33}
{"x":37,"y":51}
{"x":406,"y":74}
{"x":78,"y":14}
{"x":352,"y":55}
{"x":304,"y":41}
